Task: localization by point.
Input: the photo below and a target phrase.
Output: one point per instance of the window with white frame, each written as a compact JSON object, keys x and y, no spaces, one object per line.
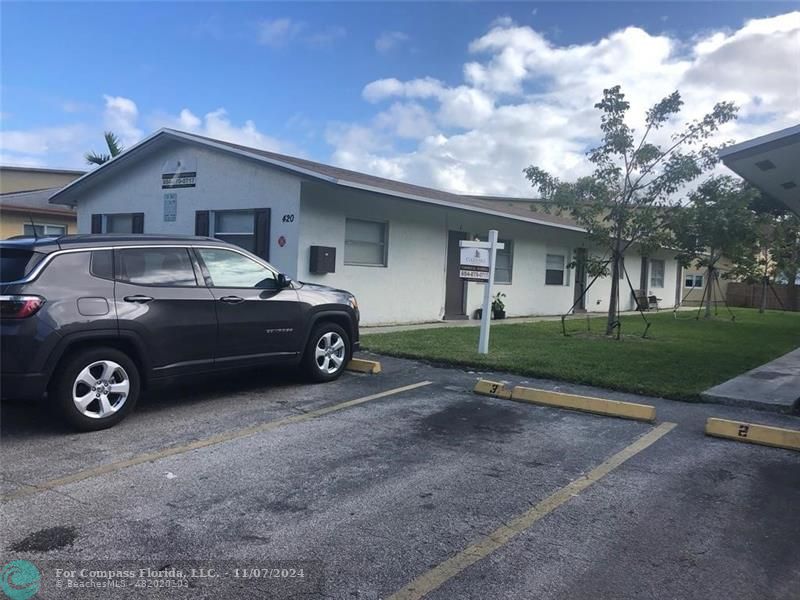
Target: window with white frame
{"x":656,"y":273}
{"x":365,"y":243}
{"x":694,"y":281}
{"x":236,"y":227}
{"x":555,"y":269}
{"x":43,"y":229}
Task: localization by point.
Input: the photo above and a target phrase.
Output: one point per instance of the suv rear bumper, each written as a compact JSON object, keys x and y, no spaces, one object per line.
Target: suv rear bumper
{"x":23,"y":386}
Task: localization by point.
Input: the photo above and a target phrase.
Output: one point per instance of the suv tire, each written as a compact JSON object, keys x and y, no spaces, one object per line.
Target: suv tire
{"x":327,"y":352}
{"x":96,"y":388}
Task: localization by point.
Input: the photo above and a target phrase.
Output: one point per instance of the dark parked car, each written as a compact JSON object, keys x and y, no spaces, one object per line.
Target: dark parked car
{"x":93,"y":319}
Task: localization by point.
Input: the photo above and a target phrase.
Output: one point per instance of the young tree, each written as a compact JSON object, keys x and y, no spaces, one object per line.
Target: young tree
{"x":717,"y":222}
{"x":625,"y":200}
{"x":779,"y":249}
{"x":114,"y":148}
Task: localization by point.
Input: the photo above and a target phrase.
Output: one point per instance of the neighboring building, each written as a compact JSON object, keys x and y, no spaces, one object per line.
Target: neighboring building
{"x":695,"y":283}
{"x":24,"y":202}
{"x":394,"y":245}
{"x":23,"y":212}
{"x":771,"y":163}
{"x":25,"y":179}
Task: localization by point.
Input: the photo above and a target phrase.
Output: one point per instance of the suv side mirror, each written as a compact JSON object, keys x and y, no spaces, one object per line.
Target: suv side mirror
{"x":283,"y":280}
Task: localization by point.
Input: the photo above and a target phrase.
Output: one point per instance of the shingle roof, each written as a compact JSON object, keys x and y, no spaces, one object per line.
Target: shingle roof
{"x":513,"y":208}
{"x":35,"y":201}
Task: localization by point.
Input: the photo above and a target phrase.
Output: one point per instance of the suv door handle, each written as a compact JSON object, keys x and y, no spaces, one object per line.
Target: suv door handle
{"x":138,"y":299}
{"x":232,"y":299}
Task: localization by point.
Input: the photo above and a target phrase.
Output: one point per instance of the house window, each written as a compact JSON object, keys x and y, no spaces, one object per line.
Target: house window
{"x":554,"y":269}
{"x":694,"y":281}
{"x":656,"y":273}
{"x":236,"y":227}
{"x":365,"y":243}
{"x":43,"y":230}
{"x":504,"y":261}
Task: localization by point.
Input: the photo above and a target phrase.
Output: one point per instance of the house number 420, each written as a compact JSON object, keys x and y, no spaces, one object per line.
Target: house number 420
{"x":288,"y":218}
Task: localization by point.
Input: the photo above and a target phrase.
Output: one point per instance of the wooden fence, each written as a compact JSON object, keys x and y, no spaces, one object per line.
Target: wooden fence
{"x":748,"y":295}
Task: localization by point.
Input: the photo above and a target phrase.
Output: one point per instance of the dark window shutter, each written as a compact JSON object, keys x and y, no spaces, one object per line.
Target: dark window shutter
{"x":138,"y":223}
{"x":262,"y":232}
{"x":201,"y":222}
{"x":97,"y":223}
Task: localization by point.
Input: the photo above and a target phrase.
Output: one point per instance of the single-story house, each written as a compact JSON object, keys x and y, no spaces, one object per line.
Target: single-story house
{"x":393,"y":244}
{"x":771,"y":163}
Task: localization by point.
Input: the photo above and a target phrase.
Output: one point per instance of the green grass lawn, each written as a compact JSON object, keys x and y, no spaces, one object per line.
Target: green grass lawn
{"x":681,"y":357}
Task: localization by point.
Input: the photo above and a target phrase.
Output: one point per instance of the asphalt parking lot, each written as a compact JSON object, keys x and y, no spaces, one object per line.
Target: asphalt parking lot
{"x":403,"y":485}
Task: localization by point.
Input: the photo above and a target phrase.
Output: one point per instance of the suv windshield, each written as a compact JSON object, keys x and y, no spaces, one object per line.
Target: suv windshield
{"x":16,"y":263}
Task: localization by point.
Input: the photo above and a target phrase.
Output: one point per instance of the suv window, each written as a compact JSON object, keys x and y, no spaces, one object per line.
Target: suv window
{"x":155,"y":267}
{"x":231,"y":269}
{"x":102,"y":264}
{"x":16,"y":263}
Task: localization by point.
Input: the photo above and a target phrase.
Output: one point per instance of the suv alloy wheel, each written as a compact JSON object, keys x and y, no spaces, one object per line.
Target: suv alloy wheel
{"x":97,"y":388}
{"x":327,"y":353}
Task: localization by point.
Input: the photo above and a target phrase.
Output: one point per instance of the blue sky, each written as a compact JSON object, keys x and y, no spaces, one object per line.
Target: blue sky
{"x":298,"y":71}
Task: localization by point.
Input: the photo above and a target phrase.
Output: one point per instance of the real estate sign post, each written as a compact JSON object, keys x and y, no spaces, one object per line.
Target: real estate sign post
{"x":477,"y":264}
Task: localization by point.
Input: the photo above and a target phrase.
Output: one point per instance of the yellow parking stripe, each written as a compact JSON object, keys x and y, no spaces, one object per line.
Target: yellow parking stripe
{"x":427,"y":582}
{"x":227,"y":436}
{"x":600,"y":406}
{"x":754,"y":433}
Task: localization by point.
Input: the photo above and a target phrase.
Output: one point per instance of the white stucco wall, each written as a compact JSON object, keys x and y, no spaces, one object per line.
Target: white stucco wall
{"x":411,"y":288}
{"x":223,"y":182}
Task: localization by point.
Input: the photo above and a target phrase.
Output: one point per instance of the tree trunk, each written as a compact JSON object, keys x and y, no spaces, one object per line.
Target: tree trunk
{"x":791,"y":291}
{"x":764,"y":284}
{"x":612,"y":303}
{"x":710,"y":274}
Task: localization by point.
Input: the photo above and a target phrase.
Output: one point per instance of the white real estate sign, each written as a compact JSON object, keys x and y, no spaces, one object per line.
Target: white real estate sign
{"x":477,"y":264}
{"x":474,"y":264}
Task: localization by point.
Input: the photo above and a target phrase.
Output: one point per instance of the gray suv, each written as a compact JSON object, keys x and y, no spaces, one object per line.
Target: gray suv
{"x":91,"y":320}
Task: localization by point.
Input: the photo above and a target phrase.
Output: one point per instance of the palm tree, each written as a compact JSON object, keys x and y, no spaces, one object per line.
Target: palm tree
{"x":114,"y":148}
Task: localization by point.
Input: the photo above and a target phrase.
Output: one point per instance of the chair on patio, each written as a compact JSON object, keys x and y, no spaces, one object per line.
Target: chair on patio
{"x":652,"y":302}
{"x":642,"y":301}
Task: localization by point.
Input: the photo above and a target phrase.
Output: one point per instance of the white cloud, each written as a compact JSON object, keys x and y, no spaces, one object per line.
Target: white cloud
{"x":389,"y":40}
{"x":121,"y":116}
{"x":65,"y":146}
{"x":524,"y":100}
{"x":278,"y":33}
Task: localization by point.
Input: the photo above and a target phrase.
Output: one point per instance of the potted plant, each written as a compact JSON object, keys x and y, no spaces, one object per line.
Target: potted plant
{"x":498,"y":306}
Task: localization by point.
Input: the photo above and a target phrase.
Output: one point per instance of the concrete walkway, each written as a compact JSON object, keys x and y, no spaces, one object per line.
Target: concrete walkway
{"x":510,"y":321}
{"x":774,"y":386}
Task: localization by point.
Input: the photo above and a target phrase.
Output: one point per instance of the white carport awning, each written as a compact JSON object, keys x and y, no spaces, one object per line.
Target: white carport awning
{"x":771,"y":163}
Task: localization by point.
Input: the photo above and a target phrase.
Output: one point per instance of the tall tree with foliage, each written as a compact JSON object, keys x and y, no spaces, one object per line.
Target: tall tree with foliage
{"x":626,"y":199}
{"x":717,"y":222}
{"x":778,"y":258}
{"x":114,"y":148}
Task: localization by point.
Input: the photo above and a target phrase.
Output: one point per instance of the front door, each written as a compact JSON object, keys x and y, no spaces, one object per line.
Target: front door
{"x":580,"y":281}
{"x":454,"y":285}
{"x":159,"y":298}
{"x":258,"y":319}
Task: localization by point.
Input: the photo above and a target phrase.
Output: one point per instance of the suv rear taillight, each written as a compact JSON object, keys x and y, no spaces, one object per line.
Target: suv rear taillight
{"x":19,"y":307}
